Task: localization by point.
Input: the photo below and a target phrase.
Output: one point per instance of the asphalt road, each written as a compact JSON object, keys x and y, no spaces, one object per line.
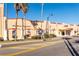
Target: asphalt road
{"x":59,"y":49}
{"x":75,"y":44}
{"x":53,"y":48}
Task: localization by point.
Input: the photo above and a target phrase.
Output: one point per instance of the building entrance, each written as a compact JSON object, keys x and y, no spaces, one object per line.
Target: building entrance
{"x":65,"y":32}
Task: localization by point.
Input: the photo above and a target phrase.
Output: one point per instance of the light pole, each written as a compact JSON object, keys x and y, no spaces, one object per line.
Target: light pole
{"x":47,"y":31}
{"x":42,"y":7}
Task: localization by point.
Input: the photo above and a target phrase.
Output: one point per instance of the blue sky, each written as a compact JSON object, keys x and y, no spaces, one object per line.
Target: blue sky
{"x":62,"y":12}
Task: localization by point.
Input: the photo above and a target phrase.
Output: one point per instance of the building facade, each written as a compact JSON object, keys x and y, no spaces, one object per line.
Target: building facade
{"x":30,"y":28}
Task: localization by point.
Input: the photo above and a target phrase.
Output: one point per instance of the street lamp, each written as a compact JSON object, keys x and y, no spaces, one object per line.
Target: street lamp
{"x":42,"y":13}
{"x":42,"y":7}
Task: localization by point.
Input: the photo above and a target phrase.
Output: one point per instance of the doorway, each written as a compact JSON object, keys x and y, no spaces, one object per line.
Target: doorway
{"x":63,"y":33}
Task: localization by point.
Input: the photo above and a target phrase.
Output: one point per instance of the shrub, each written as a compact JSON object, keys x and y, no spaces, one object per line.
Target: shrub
{"x":46,"y":35}
{"x":36,"y":37}
{"x":25,"y":36}
{"x":52,"y":35}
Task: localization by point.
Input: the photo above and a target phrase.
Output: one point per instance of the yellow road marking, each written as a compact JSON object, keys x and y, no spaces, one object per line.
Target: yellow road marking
{"x":5,"y":48}
{"x":30,"y":49}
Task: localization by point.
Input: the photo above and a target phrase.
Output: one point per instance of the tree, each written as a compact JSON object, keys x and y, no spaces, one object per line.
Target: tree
{"x":18,"y":7}
{"x":24,"y":8}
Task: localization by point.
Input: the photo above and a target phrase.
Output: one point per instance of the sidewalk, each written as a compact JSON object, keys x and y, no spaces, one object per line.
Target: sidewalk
{"x":13,"y":43}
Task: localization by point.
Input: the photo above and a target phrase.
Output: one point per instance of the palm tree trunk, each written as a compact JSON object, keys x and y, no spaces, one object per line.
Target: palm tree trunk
{"x":25,"y":24}
{"x":46,"y":26}
{"x":7,"y":23}
{"x":22,"y":29}
{"x":16,"y":23}
{"x":19,"y":6}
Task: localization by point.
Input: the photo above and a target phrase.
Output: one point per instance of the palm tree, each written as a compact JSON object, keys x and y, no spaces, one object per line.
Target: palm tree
{"x":7,"y":22}
{"x":18,"y":7}
{"x":24,"y":7}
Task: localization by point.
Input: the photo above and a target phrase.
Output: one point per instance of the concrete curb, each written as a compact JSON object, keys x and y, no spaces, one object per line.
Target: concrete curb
{"x":18,"y":43}
{"x":24,"y":42}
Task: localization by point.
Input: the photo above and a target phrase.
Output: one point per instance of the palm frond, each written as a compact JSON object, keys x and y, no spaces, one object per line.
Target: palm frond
{"x":17,"y":6}
{"x":24,"y":7}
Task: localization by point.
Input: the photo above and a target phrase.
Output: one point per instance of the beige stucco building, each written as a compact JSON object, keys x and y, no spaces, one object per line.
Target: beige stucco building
{"x":30,"y":28}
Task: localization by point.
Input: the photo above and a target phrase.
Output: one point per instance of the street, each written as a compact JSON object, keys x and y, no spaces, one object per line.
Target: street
{"x":75,"y":44}
{"x":58,"y":49}
{"x":48,"y":48}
